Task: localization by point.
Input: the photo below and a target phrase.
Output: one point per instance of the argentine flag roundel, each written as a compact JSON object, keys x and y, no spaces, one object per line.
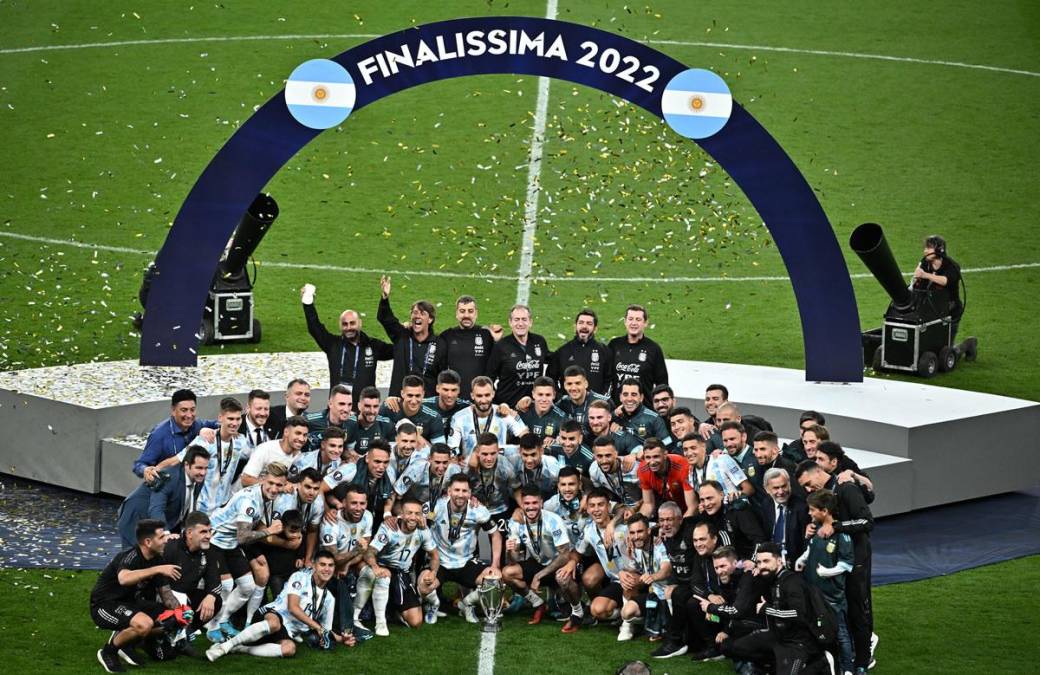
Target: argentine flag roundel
{"x":696,"y":103}
{"x":320,"y":93}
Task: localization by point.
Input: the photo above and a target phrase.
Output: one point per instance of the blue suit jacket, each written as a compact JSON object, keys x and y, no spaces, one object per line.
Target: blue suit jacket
{"x":164,"y":504}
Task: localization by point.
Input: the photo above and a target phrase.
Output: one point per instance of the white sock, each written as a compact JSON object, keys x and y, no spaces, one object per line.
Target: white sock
{"x":577,"y":609}
{"x":533,"y":598}
{"x":380,"y":598}
{"x":269,"y":650}
{"x":244,"y":588}
{"x":432,"y":600}
{"x":249,"y":634}
{"x":471,"y":599}
{"x":366,"y":580}
{"x":254,"y":603}
{"x":614,"y":615}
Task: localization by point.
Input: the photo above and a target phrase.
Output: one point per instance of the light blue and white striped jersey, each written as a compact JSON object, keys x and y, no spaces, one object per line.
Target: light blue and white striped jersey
{"x":645,"y":561}
{"x":312,"y":513}
{"x":246,"y":506}
{"x":541,"y":540}
{"x":458,"y":545}
{"x":624,"y":486}
{"x":612,"y":557}
{"x":416,"y":482}
{"x":494,"y":488}
{"x":311,"y":460}
{"x":397,"y":548}
{"x":723,"y":469}
{"x":220,"y":476}
{"x":544,"y":476}
{"x":344,"y":536}
{"x":465,"y":428}
{"x":573,"y":517}
{"x":317,"y":603}
{"x":401,"y":464}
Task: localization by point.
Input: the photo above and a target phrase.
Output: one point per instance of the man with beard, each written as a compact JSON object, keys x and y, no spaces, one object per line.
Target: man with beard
{"x":599,"y":424}
{"x":415,"y":345}
{"x":569,"y":451}
{"x":734,"y":441}
{"x":729,"y":412}
{"x":258,"y":410}
{"x":575,"y":404}
{"x":643,"y":575}
{"x":426,"y":480}
{"x":639,"y":420}
{"x":405,"y":448}
{"x":367,"y":425}
{"x":518,"y":359}
{"x":720,"y":468}
{"x":352,"y":354}
{"x":373,"y":474}
{"x":662,"y":400}
{"x":455,"y":524}
{"x":665,"y":478}
{"x":425,"y":419}
{"x":766,"y":448}
{"x":786,"y":643}
{"x":618,"y":476}
{"x":346,"y":536}
{"x":637,"y":356}
{"x":199,"y":582}
{"x":465,"y":348}
{"x":533,"y":467}
{"x":689,"y":628}
{"x":248,"y":519}
{"x":297,"y":400}
{"x":537,"y":547}
{"x":738,"y":519}
{"x":180,"y":495}
{"x":482,"y":418}
{"x":585,"y":352}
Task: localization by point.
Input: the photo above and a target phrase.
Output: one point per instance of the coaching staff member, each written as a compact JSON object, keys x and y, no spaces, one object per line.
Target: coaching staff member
{"x":352,"y":354}
{"x":200,"y":576}
{"x":594,"y":357}
{"x":169,"y":504}
{"x":465,"y":348}
{"x":636,"y":355}
{"x":412,"y":344}
{"x":517,"y":359}
{"x":172,"y":434}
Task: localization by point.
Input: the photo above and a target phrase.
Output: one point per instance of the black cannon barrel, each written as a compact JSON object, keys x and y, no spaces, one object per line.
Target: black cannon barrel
{"x":250,"y":231}
{"x":869,"y":243}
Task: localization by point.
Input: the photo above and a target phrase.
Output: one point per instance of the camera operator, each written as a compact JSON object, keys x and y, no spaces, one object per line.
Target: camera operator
{"x":937,"y":271}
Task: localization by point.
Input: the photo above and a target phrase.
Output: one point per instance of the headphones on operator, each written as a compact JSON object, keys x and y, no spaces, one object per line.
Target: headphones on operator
{"x":937,"y":244}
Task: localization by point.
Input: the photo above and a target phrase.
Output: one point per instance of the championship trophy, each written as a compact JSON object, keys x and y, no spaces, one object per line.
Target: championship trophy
{"x":491,"y":597}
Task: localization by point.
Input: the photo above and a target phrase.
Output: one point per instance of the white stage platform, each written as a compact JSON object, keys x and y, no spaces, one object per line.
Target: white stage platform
{"x":82,"y":426}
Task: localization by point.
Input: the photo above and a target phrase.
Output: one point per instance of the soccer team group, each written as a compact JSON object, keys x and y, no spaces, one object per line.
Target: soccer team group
{"x":570,"y":476}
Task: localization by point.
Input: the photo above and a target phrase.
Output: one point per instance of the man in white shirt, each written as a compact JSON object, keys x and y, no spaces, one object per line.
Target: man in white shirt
{"x":284,"y":451}
{"x":481,"y":417}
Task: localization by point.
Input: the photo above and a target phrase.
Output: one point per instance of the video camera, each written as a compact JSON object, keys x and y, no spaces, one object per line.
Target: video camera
{"x":916,"y":335}
{"x":228,"y":315}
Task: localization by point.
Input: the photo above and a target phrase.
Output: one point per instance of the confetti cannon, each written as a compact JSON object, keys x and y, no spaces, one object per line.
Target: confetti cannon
{"x":916,"y":333}
{"x":228,"y":315}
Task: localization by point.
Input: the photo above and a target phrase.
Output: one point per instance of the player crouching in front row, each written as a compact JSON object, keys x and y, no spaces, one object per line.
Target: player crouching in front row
{"x":304,"y":609}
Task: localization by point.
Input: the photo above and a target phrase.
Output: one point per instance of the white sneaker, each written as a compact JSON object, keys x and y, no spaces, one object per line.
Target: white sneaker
{"x":830,"y":662}
{"x":626,"y":633}
{"x":431,"y":614}
{"x":216,"y":651}
{"x":381,"y":629}
{"x":874,"y":639}
{"x":469,"y":613}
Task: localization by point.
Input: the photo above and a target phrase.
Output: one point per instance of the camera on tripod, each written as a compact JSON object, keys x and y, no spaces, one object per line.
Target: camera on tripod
{"x":917,"y":333}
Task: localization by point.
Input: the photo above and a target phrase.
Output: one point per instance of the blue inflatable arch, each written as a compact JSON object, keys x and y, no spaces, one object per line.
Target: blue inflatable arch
{"x":743,"y":148}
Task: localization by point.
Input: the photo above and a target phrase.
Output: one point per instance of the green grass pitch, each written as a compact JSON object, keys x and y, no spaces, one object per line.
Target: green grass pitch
{"x":103,"y":143}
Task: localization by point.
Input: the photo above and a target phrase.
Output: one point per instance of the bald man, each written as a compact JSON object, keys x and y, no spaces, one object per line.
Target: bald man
{"x":352,"y":354}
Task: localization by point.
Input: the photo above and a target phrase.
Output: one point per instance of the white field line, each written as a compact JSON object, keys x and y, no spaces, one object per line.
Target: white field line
{"x":534,"y":182}
{"x":682,"y":43}
{"x":484,"y":277}
{"x":486,"y":663}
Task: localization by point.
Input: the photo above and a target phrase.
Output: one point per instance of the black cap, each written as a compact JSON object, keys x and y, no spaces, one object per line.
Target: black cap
{"x":182,"y":395}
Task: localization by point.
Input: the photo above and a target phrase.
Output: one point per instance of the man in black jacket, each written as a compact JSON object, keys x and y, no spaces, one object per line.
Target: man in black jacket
{"x":199,"y":579}
{"x":415,"y":345}
{"x":465,"y":348}
{"x":352,"y":354}
{"x":297,"y":400}
{"x":517,"y":359}
{"x":854,"y":519}
{"x":738,"y":519}
{"x":636,"y":355}
{"x":585,"y":351}
{"x":786,"y":641}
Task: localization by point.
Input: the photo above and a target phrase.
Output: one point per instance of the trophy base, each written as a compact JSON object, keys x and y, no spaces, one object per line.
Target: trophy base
{"x":490,"y":627}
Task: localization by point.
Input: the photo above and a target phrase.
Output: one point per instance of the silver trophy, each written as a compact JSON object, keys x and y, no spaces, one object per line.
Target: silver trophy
{"x":491,"y":602}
